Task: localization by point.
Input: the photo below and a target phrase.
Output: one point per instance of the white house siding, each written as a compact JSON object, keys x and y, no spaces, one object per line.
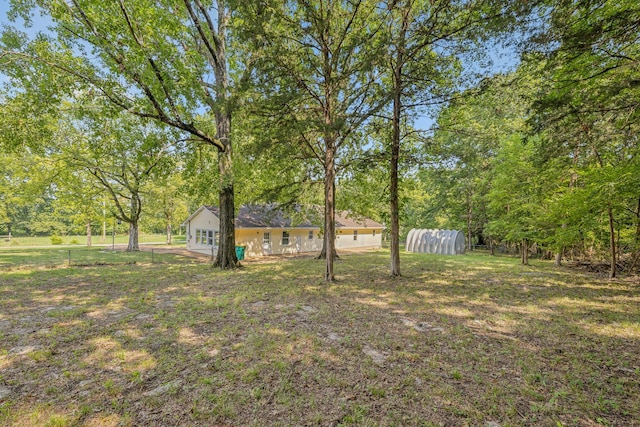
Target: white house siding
{"x":202,"y":219}
{"x":299,"y":242}
{"x":365,"y":239}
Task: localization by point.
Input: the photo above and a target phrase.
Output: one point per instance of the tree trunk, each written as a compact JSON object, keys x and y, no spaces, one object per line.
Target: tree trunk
{"x":637,"y":239}
{"x":133,"y":218}
{"x":329,"y":209}
{"x":88,"y":231}
{"x":558,"y":259}
{"x":169,"y":232}
{"x":469,"y":213}
{"x":323,"y":251}
{"x":398,"y":86}
{"x":636,"y":251}
{"x":133,"y":237}
{"x":612,"y":242}
{"x":226,"y":257}
{"x":393,"y":189}
{"x":525,"y":252}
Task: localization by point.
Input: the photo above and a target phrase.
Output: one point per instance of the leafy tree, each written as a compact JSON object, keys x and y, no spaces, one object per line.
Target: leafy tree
{"x":120,"y":156}
{"x":166,"y":207}
{"x":465,"y":145}
{"x":316,"y":69}
{"x":173,"y":71}
{"x":78,"y":199}
{"x":514,"y":198}
{"x":589,"y":109}
{"x":425,"y":42}
{"x":28,"y":203}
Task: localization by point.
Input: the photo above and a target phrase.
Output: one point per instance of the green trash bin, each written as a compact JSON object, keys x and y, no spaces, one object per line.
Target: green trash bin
{"x":240,"y":252}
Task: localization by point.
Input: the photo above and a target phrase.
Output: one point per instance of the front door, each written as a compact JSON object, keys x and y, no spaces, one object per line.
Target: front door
{"x":266,"y":243}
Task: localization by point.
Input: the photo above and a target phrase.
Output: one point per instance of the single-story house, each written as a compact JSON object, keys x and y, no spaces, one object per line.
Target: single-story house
{"x":267,"y":230}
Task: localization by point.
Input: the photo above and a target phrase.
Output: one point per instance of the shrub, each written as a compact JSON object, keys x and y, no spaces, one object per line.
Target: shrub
{"x":74,"y":242}
{"x":56,"y":240}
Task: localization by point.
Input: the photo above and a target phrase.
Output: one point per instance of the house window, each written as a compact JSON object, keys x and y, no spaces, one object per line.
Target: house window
{"x":311,"y":235}
{"x":374,"y":233}
{"x":206,"y":237}
{"x":216,"y":238}
{"x":266,"y":238}
{"x":285,"y":238}
{"x":355,"y":234}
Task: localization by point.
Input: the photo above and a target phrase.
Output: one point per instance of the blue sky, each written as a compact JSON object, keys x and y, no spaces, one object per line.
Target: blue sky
{"x":39,"y":23}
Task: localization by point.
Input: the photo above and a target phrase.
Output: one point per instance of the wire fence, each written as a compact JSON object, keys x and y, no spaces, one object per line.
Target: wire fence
{"x":79,"y":257}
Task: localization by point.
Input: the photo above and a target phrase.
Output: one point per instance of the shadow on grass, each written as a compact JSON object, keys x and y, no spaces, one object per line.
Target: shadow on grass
{"x":464,"y":340}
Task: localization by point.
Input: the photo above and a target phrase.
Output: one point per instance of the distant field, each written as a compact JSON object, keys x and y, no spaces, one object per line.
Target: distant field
{"x":81,"y":240}
{"x":471,"y":340}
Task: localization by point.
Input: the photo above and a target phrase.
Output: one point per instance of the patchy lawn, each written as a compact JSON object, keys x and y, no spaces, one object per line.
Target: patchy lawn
{"x":469,"y":340}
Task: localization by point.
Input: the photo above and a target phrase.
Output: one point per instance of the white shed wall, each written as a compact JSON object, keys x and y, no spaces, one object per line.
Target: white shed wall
{"x":204,"y":220}
{"x":366,"y":238}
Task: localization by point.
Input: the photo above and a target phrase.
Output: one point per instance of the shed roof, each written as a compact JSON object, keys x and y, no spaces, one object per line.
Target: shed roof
{"x":346,"y":219}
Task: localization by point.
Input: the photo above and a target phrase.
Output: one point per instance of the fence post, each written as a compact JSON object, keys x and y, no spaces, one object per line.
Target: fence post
{"x":152,"y":257}
{"x":69,"y":257}
{"x":212,"y":257}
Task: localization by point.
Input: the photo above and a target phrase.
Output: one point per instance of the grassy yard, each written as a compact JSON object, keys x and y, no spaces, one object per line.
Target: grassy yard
{"x":21,"y":258}
{"x":469,"y":340}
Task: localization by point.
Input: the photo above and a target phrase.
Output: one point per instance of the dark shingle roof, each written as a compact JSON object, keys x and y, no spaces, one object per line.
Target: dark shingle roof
{"x":264,"y":216}
{"x":270,"y":215}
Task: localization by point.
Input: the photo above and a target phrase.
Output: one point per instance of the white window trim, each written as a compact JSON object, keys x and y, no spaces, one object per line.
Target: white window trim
{"x":207,"y":237}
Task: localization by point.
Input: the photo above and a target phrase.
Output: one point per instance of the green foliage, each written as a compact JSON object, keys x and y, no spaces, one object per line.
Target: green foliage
{"x":471,"y":134}
{"x":514,"y":202}
{"x":587,"y":112}
{"x":548,"y":153}
{"x":56,"y":240}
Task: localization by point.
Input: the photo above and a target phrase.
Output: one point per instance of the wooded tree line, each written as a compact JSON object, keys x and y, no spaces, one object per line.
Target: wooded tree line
{"x":315,"y":102}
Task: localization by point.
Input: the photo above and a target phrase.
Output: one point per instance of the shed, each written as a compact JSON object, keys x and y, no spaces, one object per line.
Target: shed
{"x":444,"y":242}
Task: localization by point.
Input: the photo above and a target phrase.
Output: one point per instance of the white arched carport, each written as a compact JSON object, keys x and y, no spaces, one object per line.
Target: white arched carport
{"x":444,"y":242}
